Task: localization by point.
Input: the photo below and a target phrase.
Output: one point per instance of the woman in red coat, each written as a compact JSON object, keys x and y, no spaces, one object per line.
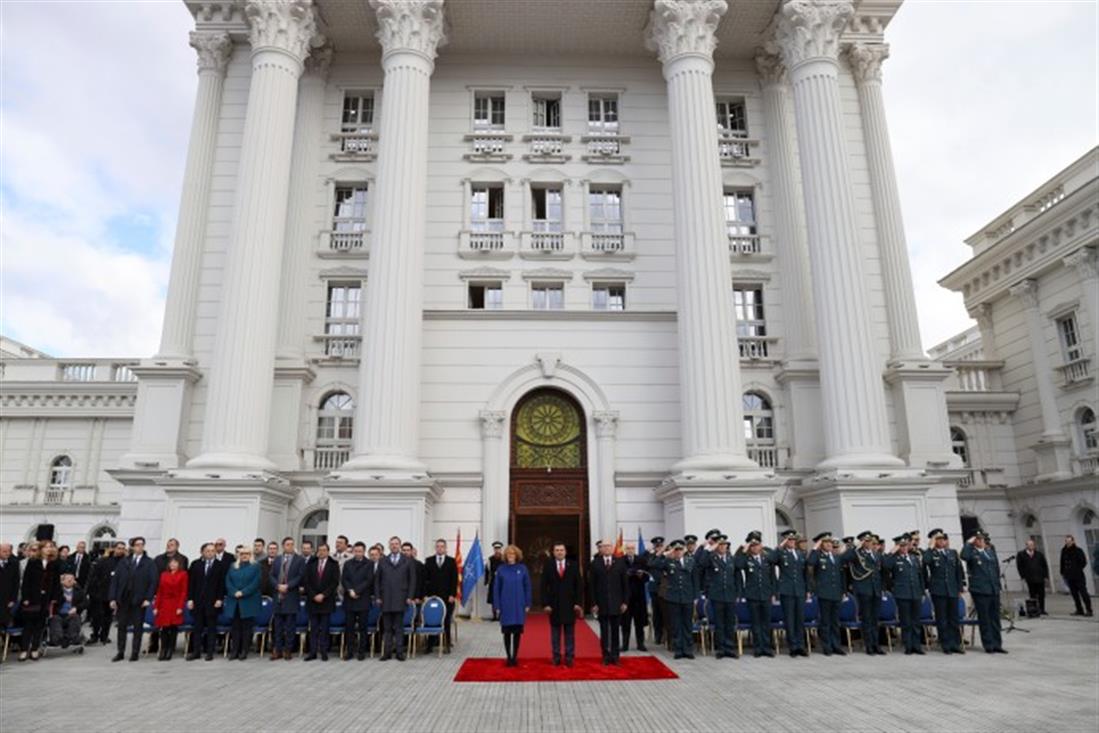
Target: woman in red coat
{"x":171,"y":596}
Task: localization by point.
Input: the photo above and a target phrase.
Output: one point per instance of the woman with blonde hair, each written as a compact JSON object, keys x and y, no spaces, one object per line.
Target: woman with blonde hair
{"x":242,"y":601}
{"x":511,"y":599}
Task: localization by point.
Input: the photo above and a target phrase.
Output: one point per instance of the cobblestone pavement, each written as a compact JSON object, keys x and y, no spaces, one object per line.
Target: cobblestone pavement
{"x":1049,"y":681}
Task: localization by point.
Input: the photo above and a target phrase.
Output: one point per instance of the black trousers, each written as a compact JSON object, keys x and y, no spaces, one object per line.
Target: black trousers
{"x":569,"y":632}
{"x":988,"y":619}
{"x":1037,"y":591}
{"x":240,"y":633}
{"x":793,"y":615}
{"x":869,"y":613}
{"x":125,"y":616}
{"x":679,"y":620}
{"x":633,"y":619}
{"x":99,"y":614}
{"x":828,"y":625}
{"x":909,"y":610}
{"x":761,"y":625}
{"x":285,"y":626}
{"x":1079,"y":590}
{"x":609,"y":634}
{"x":658,"y":619}
{"x":204,"y":630}
{"x":724,"y":627}
{"x":356,"y":624}
{"x":318,"y":631}
{"x":393,"y":633}
{"x":947,"y":622}
{"x":34,"y":626}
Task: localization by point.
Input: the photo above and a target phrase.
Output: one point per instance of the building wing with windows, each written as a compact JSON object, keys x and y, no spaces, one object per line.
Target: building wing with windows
{"x":417,"y":237}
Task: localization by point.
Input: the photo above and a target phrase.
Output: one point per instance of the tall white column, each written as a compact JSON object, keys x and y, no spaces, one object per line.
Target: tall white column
{"x":388,"y":410}
{"x":238,"y":402}
{"x":606,"y":427}
{"x":300,"y":209}
{"x":1027,"y":294}
{"x":900,"y":298}
{"x":681,"y":32}
{"x":214,"y":50}
{"x":494,"y":488}
{"x":855,"y":421}
{"x":1086,"y":262}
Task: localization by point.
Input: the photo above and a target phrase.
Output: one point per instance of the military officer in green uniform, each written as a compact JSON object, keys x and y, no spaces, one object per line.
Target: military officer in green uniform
{"x":983,"y":568}
{"x":722,"y":588}
{"x":865,"y":565}
{"x":757,"y":579}
{"x":791,"y":564}
{"x":678,"y":573}
{"x":942,"y":571}
{"x":656,"y":593}
{"x":907,"y":576}
{"x":826,"y":581}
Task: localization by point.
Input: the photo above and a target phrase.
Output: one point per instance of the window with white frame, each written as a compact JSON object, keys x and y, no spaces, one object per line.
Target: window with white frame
{"x":546,"y":112}
{"x":315,"y":527}
{"x":731,"y":118}
{"x":546,"y":209}
{"x":349,"y":214}
{"x":959,"y":444}
{"x":488,"y":111}
{"x":759,"y":429}
{"x":605,"y":209}
{"x":61,"y":473}
{"x":603,"y":113}
{"x":1087,"y":430}
{"x":341,"y":318}
{"x":608,"y":296}
{"x":748,"y":305}
{"x":102,"y":538}
{"x":740,"y":214}
{"x":547,"y":296}
{"x":486,"y":295}
{"x":358,"y":112}
{"x":486,"y":207}
{"x":335,"y":421}
{"x":1071,"y":349}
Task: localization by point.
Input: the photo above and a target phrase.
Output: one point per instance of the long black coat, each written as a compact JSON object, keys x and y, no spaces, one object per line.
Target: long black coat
{"x":609,"y":586}
{"x":40,"y":586}
{"x":562,"y":594}
{"x":83,"y":572}
{"x":9,"y":589}
{"x":205,"y":589}
{"x":163,"y":558}
{"x":324,"y":583}
{"x":1032,"y":569}
{"x":395,"y":585}
{"x":133,"y":585}
{"x":637,"y":575}
{"x":99,"y":582}
{"x":1073,"y":562}
{"x":358,"y":576}
{"x":440,"y":581}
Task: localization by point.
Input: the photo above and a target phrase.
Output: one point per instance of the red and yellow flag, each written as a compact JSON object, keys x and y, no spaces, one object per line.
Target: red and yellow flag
{"x":619,"y":546}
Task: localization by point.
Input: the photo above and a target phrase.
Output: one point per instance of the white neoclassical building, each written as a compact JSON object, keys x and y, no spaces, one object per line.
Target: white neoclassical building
{"x":1023,"y":398}
{"x":530,"y":270}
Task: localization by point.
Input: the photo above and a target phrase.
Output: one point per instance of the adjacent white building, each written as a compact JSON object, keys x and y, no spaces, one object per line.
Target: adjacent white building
{"x":530,"y":270}
{"x":1023,"y":398}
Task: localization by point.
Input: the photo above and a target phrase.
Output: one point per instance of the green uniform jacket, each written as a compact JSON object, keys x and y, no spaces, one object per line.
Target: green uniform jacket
{"x":677,"y":580}
{"x":758,"y":578}
{"x":826,"y":575}
{"x":983,"y":569}
{"x":907,"y":576}
{"x":943,"y":572}
{"x":864,"y":563}
{"x":791,"y":571}
{"x":722,"y":579}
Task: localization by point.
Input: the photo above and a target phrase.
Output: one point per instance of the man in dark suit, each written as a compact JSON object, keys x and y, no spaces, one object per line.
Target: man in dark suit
{"x":9,"y":584}
{"x":441,"y":579}
{"x":609,"y":593}
{"x":222,"y":555}
{"x":99,"y":593}
{"x":494,"y":562}
{"x":357,"y":580}
{"x":322,"y":579}
{"x":409,"y":551}
{"x":265,"y":586}
{"x":1073,"y":562}
{"x":637,"y":613}
{"x":394,"y":590}
{"x":205,"y":596}
{"x":287,"y":573}
{"x":563,"y":597}
{"x":79,"y":564}
{"x":133,"y":586}
{"x":1034,"y":570}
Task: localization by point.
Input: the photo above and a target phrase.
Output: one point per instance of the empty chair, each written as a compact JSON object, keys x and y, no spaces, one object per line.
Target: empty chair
{"x":337,"y":624}
{"x":849,"y":616}
{"x":433,"y":620}
{"x":778,"y":624}
{"x":812,"y":621}
{"x":409,"y":624}
{"x":887,"y":616}
{"x":967,"y":619}
{"x":743,"y":623}
{"x":263,"y":621}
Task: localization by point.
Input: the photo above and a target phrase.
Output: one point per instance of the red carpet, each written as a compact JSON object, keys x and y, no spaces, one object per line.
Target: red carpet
{"x":535,"y":661}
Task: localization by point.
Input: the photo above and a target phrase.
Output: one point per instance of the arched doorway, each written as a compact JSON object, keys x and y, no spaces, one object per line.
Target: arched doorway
{"x":548,"y":479}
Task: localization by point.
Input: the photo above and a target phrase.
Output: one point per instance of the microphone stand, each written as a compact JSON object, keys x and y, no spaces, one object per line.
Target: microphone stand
{"x":1007,"y":610}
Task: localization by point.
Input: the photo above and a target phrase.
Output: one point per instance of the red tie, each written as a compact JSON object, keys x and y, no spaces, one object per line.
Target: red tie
{"x":320,"y":569}
{"x":560,"y":569}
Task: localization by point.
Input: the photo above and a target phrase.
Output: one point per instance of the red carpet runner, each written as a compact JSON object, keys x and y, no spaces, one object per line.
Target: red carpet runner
{"x":535,"y":663}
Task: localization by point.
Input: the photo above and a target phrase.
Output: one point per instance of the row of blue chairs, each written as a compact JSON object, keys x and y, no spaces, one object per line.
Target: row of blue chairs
{"x":849,"y":620}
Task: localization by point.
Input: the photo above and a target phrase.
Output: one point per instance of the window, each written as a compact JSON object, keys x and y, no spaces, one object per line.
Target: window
{"x":748,"y":303}
{"x":350,"y":210}
{"x":546,"y":209}
{"x":486,"y":296}
{"x":315,"y":527}
{"x":603,"y":113}
{"x":358,"y":112}
{"x":608,"y":296}
{"x":605,"y":207}
{"x":487,"y":207}
{"x":759,"y":429}
{"x":488,"y":111}
{"x":970,"y":526}
{"x":335,"y":419}
{"x":1091,"y":532}
{"x":1070,"y":340}
{"x":547,"y":112}
{"x":740,"y":214}
{"x":959,"y":444}
{"x":102,"y":538}
{"x":61,"y":473}
{"x":341,"y":318}
{"x":547,"y":296}
{"x":1087,"y":430}
{"x":731,"y":119}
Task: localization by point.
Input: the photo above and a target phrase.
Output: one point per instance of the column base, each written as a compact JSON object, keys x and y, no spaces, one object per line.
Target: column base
{"x":1054,"y":454}
{"x":736,"y":506}
{"x":376,"y":509}
{"x":923,"y":427}
{"x":230,"y":463}
{"x":376,"y":467}
{"x":860,"y":462}
{"x":163,"y":407}
{"x":715,"y":464}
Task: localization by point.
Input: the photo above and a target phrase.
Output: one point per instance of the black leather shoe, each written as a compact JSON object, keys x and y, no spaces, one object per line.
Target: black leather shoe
{"x":568,"y":662}
{"x":309,"y":657}
{"x":134,"y":657}
{"x":324,"y":656}
{"x":689,"y":656}
{"x":839,"y":652}
{"x":757,"y":655}
{"x":642,"y":648}
{"x":677,"y":656}
{"x":360,"y":656}
{"x":880,"y":651}
{"x":557,"y":662}
{"x":116,"y":658}
{"x":192,"y":657}
{"x":918,"y":651}
{"x":400,"y":657}
{"x":209,"y":657}
{"x":768,"y":654}
{"x":1000,"y":651}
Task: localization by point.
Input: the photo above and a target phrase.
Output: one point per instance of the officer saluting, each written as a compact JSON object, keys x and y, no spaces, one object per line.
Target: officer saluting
{"x":758,"y":576}
{"x":865,"y":565}
{"x":983,"y":568}
{"x":677,"y":571}
{"x":943,"y":575}
{"x":792,"y":590}
{"x":907,"y":591}
{"x":827,"y":582}
{"x":657,"y":589}
{"x":722,"y":588}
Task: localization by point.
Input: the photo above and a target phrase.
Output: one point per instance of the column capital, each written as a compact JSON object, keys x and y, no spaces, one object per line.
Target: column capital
{"x":213,"y":48}
{"x":810,"y":30}
{"x":1085,"y":261}
{"x":1027,"y":292}
{"x":318,"y":61}
{"x":684,"y":28}
{"x":492,"y":423}
{"x":416,"y":26}
{"x":771,"y":69}
{"x":865,"y":60}
{"x":606,"y":423}
{"x":982,"y":314}
{"x":288,"y":26}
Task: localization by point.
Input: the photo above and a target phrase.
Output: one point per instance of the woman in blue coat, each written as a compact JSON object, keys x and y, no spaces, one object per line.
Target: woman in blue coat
{"x":511,"y":599}
{"x":242,"y":601}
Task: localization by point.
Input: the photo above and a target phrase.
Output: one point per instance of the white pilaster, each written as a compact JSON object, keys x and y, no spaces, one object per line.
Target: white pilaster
{"x":494,"y":482}
{"x":681,"y":32}
{"x":238,"y":402}
{"x":214,"y":49}
{"x":388,"y":408}
{"x":900,"y":299}
{"x":606,"y":427}
{"x":856,"y":426}
{"x":1086,"y":262}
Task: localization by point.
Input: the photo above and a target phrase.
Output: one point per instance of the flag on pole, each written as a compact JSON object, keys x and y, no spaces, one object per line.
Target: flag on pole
{"x":458,"y":562}
{"x":473,"y":568}
{"x":640,"y":543}
{"x":619,"y":548}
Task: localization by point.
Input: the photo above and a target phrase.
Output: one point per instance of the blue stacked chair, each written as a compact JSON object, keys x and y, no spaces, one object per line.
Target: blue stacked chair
{"x":223,"y":626}
{"x":263,"y":621}
{"x":433,"y":620}
{"x":703,"y":612}
{"x":927,"y":616}
{"x":337,"y":624}
{"x":743,"y":623}
{"x":301,"y":625}
{"x":887,"y":617}
{"x":13,"y":631}
{"x":812,"y":621}
{"x":373,"y":625}
{"x":849,"y":617}
{"x":148,"y":626}
{"x":965,"y":619}
{"x":187,"y":627}
{"x":409,"y":624}
{"x":778,"y":624}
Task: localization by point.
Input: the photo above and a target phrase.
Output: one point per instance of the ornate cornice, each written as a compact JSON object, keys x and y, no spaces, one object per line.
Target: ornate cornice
{"x":492,"y":423}
{"x":769,"y":66}
{"x":410,"y":25}
{"x":1085,"y":261}
{"x":34,"y":399}
{"x":866,"y":59}
{"x":283,"y":25}
{"x":811,"y":29}
{"x":684,"y":27}
{"x":319,"y":61}
{"x":1027,"y":292}
{"x":213,"y":49}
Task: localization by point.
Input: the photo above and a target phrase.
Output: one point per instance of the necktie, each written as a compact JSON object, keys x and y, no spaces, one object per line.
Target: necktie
{"x":284,"y":569}
{"x":439,"y":560}
{"x":137,"y":559}
{"x":560,"y":569}
{"x":393,"y":559}
{"x":831,"y":558}
{"x":795,"y":552}
{"x":77,"y":568}
{"x":681,"y":562}
{"x":985,"y":554}
{"x":320,"y":569}
{"x":208,"y":564}
{"x":608,"y":561}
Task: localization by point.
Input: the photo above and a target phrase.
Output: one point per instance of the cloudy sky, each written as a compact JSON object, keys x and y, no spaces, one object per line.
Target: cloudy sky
{"x":986,"y":100}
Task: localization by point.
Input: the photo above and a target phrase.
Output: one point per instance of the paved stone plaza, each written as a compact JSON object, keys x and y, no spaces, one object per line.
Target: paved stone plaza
{"x":1049,"y":681}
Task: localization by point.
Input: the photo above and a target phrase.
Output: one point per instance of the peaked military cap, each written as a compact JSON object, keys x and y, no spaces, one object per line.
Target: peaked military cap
{"x":866,"y":535}
{"x":935,"y":533}
{"x":497,"y":544}
{"x":901,"y":538}
{"x":658,"y":540}
{"x":677,"y":544}
{"x":823,"y":536}
{"x":713,"y":534}
{"x":982,"y":534}
{"x":848,"y":540}
{"x":722,"y":539}
{"x":755,"y":536}
{"x":688,"y":538}
{"x":790,"y":534}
